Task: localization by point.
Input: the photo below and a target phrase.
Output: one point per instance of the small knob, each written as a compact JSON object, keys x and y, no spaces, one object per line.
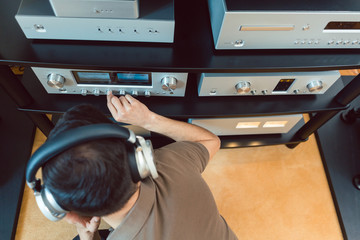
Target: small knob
{"x":315,"y":86}
{"x":96,"y":92}
{"x":55,"y":80}
{"x":122,"y":92}
{"x":296,"y":91}
{"x":168,"y":83}
{"x":134,"y":93}
{"x":264,"y":92}
{"x":147,"y":93}
{"x":242,"y":87}
{"x":83,"y":92}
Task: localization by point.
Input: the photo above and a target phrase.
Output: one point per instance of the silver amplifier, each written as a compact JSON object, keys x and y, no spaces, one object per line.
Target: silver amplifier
{"x":93,"y":82}
{"x":244,"y":84}
{"x":249,"y":125}
{"x":96,"y":8}
{"x":282,"y":24}
{"x":155,"y":24}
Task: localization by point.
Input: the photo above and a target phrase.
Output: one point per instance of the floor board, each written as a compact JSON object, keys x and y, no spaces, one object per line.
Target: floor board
{"x":267,"y":192}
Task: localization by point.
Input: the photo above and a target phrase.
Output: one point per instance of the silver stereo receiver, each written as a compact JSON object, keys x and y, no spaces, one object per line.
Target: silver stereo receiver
{"x":283,"y":24}
{"x":249,"y":125}
{"x":96,"y":8}
{"x":155,"y":24}
{"x":93,"y":82}
{"x":283,"y":83}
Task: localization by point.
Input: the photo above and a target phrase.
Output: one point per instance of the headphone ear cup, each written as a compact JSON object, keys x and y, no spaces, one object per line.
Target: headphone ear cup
{"x":48,"y":206}
{"x":131,"y":151}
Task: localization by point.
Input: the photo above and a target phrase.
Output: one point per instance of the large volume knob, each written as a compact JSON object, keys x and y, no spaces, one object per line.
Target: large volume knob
{"x":242,"y":87}
{"x":168,"y":83}
{"x":55,"y":80}
{"x":315,"y":86}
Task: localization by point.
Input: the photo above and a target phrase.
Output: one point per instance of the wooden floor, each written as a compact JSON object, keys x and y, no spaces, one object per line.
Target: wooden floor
{"x":267,"y":193}
{"x":271,"y":193}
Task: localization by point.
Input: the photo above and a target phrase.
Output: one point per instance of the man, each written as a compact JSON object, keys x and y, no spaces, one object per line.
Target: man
{"x":176,"y":205}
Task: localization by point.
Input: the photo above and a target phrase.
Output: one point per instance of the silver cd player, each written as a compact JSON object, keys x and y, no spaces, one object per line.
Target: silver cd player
{"x":281,"y":24}
{"x":93,"y":82}
{"x":248,"y":84}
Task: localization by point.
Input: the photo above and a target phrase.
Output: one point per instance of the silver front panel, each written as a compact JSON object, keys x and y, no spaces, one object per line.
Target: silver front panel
{"x":224,"y":84}
{"x":71,"y":85}
{"x":248,"y":125}
{"x":280,"y":29}
{"x":96,"y":8}
{"x":37,"y":20}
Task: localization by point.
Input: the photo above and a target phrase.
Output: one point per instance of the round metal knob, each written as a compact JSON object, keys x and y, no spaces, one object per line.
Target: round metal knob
{"x":147,"y":93}
{"x":315,"y":86}
{"x":83,"y":92}
{"x":55,"y":80}
{"x":242,"y":87}
{"x":168,"y":83}
{"x":96,"y":92}
{"x":134,"y":93}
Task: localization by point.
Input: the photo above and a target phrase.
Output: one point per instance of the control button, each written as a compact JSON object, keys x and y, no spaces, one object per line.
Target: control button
{"x":213,"y":92}
{"x":306,"y":27}
{"x":264,"y":92}
{"x":339,"y":42}
{"x":239,"y":43}
{"x":168,"y":83}
{"x":315,"y":86}
{"x":122,"y":92}
{"x":147,"y":93}
{"x":296,"y":42}
{"x":55,"y":80}
{"x":355,"y":42}
{"x":253,"y":92}
{"x":346,"y":42}
{"x":134,"y":93}
{"x":242,"y":87}
{"x":96,"y":92}
{"x":296,"y":91}
{"x":331,"y":42}
{"x":83,"y":92}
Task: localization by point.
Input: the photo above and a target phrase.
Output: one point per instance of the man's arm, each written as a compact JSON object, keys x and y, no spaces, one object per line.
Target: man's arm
{"x":129,"y":110}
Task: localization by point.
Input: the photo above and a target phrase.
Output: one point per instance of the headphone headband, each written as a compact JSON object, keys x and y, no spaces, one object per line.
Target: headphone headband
{"x":67,"y":139}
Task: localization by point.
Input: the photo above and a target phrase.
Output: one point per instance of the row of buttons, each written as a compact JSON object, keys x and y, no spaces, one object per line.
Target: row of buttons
{"x":330,"y":42}
{"x":124,"y":30}
{"x":98,"y":92}
{"x":343,"y":42}
{"x":311,"y":41}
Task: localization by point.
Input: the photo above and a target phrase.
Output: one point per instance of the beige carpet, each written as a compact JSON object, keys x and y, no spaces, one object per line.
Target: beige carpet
{"x":264,"y":193}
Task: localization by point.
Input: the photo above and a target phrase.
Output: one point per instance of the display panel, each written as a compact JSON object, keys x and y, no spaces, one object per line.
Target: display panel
{"x":92,"y":77}
{"x":283,"y":85}
{"x":113,"y":78}
{"x":343,"y":26}
{"x":131,"y":78}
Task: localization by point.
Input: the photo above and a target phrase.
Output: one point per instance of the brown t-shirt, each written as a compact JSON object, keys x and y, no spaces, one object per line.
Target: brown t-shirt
{"x":178,"y":204}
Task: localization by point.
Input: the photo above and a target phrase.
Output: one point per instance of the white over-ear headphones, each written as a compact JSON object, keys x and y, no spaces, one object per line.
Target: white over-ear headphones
{"x":140,"y":156}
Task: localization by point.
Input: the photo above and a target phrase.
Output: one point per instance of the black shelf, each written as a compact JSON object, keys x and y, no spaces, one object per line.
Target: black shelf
{"x":339,"y":147}
{"x":17,"y":134}
{"x":191,"y":105}
{"x":192,"y":50}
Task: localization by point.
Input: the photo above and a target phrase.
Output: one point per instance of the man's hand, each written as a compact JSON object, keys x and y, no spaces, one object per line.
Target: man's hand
{"x":86,"y":226}
{"x":129,"y":110}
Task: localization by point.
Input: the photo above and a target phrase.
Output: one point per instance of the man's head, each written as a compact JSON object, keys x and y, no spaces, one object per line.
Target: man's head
{"x":92,"y":178}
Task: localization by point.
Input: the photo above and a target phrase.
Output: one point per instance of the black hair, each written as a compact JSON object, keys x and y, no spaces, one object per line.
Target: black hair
{"x":93,"y":178}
